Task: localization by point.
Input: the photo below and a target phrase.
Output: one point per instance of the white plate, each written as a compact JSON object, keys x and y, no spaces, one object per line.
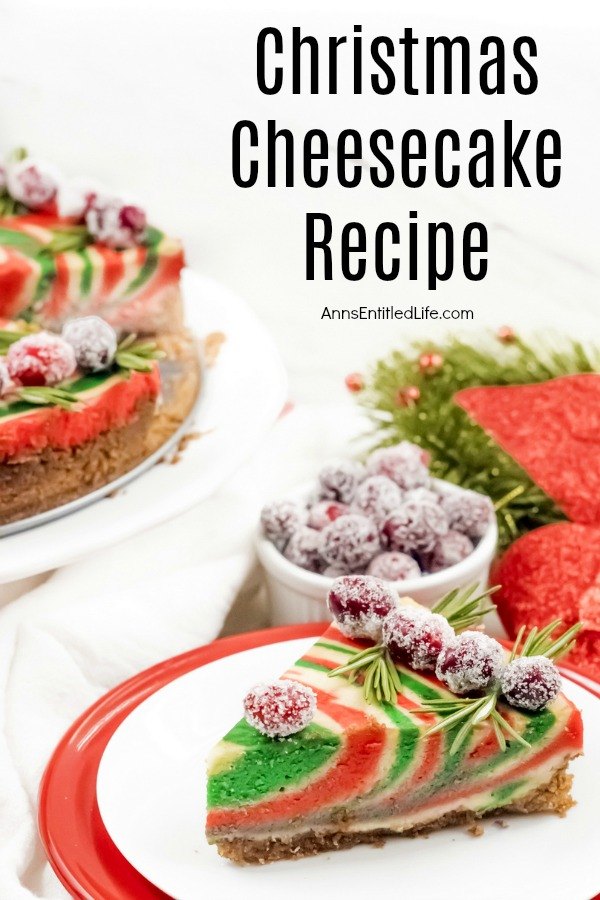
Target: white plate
{"x":151,"y":785}
{"x":241,"y":396}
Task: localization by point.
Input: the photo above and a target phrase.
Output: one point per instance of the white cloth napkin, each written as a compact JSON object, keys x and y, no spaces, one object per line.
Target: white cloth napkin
{"x":93,"y":624}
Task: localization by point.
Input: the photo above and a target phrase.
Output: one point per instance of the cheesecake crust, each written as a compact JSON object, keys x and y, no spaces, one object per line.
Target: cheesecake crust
{"x":554,"y":796}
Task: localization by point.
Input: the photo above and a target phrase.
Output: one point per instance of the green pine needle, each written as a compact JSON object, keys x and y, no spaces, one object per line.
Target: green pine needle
{"x":49,"y":396}
{"x":461,"y":451}
{"x":543,"y":643}
{"x":381,"y":680}
{"x":462,"y":607}
{"x":469,"y":713}
{"x":137,"y":356}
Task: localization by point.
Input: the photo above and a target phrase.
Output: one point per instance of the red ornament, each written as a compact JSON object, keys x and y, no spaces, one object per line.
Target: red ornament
{"x":430,"y":363}
{"x":506,"y":334}
{"x":354,"y":382}
{"x":408,"y":396}
{"x":552,"y":573}
{"x":552,"y":430}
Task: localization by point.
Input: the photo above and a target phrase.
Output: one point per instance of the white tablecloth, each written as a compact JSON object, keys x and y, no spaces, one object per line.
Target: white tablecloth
{"x":89,"y":626}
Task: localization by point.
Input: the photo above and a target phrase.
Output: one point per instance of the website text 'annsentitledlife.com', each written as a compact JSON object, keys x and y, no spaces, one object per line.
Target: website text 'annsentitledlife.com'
{"x":419,"y":313}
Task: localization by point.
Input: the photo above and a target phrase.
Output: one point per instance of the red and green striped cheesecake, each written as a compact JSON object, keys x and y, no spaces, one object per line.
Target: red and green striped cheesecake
{"x":51,"y":270}
{"x":361,"y":770}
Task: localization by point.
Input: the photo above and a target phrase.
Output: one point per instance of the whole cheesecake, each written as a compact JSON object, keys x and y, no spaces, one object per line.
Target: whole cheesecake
{"x":361,"y":771}
{"x":96,"y":367}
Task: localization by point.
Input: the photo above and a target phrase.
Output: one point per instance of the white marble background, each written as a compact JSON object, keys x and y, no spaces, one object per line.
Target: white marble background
{"x":144,"y":95}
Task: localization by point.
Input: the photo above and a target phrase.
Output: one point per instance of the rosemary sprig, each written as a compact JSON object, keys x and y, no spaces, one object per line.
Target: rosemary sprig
{"x":381,"y":678}
{"x":137,"y":356}
{"x":463,"y":608}
{"x":541,"y":642}
{"x":470,"y":712}
{"x":49,"y":396}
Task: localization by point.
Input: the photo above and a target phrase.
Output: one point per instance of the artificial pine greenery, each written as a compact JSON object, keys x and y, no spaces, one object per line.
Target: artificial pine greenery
{"x":461,"y":451}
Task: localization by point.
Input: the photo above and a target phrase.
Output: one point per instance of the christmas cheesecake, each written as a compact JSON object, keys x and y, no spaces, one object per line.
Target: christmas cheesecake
{"x":68,"y":248}
{"x":80,"y":409}
{"x":433,"y":725}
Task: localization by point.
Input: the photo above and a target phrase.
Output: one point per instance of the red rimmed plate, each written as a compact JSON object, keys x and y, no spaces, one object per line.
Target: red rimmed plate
{"x":78,"y":845}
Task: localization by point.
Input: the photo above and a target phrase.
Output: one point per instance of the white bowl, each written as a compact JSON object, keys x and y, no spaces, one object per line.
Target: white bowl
{"x":296,"y":595}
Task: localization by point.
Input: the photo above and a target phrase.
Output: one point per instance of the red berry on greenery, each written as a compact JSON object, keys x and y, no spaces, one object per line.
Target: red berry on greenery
{"x":359,"y":604}
{"x":530,"y":682}
{"x":407,"y":396}
{"x":40,"y":360}
{"x":280,"y":708}
{"x":354,"y":382}
{"x":430,"y":363}
{"x":506,"y":335}
{"x":471,"y":662}
{"x":415,"y":637}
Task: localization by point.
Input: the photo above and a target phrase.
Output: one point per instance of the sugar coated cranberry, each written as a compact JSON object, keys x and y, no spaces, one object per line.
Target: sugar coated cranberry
{"x":406,"y":464}
{"x":415,"y":526}
{"x":304,"y":549}
{"x":359,"y":604}
{"x":6,"y":382}
{"x":468,"y":511}
{"x":394,"y":566}
{"x":40,"y":359}
{"x":31,"y":182}
{"x":351,"y":542}
{"x":415,"y":637}
{"x":338,"y":481}
{"x":115,"y":223}
{"x":376,"y":497}
{"x":280,"y":708}
{"x":449,"y":550}
{"x":280,"y":519}
{"x":471,"y":662}
{"x":93,"y":340}
{"x":324,"y":512}
{"x":530,"y":682}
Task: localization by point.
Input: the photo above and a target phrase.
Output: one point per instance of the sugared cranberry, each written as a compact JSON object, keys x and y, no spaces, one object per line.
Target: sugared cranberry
{"x":449,"y":550}
{"x":93,"y":340}
{"x":394,"y":566}
{"x":40,"y":359}
{"x":280,"y":708}
{"x":6,"y":382}
{"x":280,"y":519}
{"x":31,"y":182}
{"x":325,"y":512}
{"x":359,"y":604}
{"x":468,"y":511}
{"x":338,"y":481}
{"x":415,"y":637}
{"x":304,"y":549}
{"x":115,"y":223}
{"x":405,"y":463}
{"x":351,"y":542}
{"x":471,"y":662}
{"x":530,"y":682}
{"x":376,"y":497}
{"x":415,"y":527}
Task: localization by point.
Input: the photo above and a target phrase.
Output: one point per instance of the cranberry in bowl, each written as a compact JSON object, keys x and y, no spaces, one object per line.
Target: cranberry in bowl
{"x":387,"y":518}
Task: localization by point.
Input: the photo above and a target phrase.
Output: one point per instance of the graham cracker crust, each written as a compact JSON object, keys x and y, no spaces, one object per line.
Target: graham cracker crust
{"x":555,"y":797}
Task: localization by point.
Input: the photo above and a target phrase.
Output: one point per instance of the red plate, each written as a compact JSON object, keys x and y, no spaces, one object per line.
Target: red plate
{"x":75,"y":840}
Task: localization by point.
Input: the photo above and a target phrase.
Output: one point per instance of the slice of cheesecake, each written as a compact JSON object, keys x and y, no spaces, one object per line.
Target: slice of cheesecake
{"x":136,"y":289}
{"x":361,"y":771}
